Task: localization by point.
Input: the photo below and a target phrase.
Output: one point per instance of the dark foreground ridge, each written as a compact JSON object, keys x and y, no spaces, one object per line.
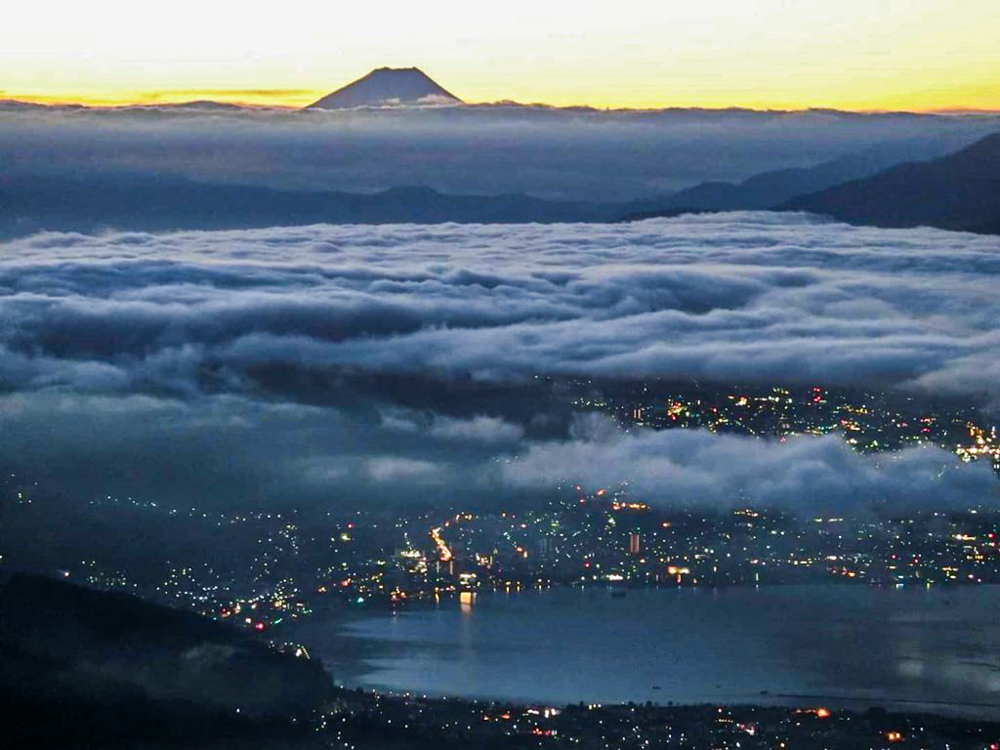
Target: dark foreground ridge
{"x":91,"y":669}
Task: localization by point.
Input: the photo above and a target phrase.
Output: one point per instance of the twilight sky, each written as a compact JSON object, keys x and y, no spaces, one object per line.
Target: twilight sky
{"x":852,"y":54}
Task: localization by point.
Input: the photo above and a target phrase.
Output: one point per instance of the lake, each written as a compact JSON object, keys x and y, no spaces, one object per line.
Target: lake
{"x":836,"y":645}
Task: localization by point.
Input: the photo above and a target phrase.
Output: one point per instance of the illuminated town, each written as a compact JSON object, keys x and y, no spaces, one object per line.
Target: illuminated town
{"x":261,"y":571}
{"x":419,"y":721}
{"x":869,"y":421}
{"x":283,"y":565}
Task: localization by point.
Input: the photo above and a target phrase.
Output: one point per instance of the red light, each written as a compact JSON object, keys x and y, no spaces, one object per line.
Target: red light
{"x":259,"y":626}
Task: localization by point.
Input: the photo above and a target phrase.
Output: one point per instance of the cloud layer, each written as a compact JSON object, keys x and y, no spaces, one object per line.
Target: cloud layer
{"x":329,"y":366}
{"x":736,"y":298}
{"x":806,"y":475}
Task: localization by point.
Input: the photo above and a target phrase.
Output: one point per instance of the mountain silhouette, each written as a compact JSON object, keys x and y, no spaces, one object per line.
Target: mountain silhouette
{"x":388,"y":87}
{"x":166,"y":654}
{"x":30,"y":204}
{"x":959,"y":192}
{"x":771,"y":189}
{"x":83,"y":668}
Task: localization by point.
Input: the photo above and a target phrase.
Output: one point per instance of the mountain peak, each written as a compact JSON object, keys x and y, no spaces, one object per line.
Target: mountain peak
{"x":386,"y":87}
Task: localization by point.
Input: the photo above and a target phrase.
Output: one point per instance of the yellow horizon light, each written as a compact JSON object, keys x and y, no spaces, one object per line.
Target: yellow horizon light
{"x":854,"y":55}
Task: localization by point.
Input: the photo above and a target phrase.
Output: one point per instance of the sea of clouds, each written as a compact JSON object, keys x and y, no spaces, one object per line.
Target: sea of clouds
{"x":398,"y":363}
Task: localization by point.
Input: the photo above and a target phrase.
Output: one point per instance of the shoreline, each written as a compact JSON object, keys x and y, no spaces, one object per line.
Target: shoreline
{"x":444,"y":649}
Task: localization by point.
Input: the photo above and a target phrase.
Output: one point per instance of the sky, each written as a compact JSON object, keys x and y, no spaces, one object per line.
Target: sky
{"x":852,"y":54}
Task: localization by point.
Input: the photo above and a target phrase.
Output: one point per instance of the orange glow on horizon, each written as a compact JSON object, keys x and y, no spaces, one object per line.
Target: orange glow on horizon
{"x":854,"y":55}
{"x":110,"y":99}
{"x":987,"y":102}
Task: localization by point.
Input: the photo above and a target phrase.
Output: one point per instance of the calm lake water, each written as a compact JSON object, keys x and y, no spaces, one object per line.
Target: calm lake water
{"x":836,"y":645}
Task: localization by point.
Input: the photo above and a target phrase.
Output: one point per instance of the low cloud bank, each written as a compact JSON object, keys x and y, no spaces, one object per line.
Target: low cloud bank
{"x":358,"y":366}
{"x":732,"y":297}
{"x":805,"y":475}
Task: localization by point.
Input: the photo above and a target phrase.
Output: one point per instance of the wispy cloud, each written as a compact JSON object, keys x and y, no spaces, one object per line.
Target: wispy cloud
{"x":806,"y":475}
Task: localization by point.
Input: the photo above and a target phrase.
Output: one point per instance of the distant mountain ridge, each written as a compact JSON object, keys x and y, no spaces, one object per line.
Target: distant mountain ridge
{"x":31,"y":204}
{"x":854,"y":187}
{"x":959,"y":192}
{"x":771,"y":189}
{"x":388,"y":87}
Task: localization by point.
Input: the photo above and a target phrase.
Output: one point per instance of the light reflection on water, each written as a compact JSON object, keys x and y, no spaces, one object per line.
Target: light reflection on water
{"x":846,"y":645}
